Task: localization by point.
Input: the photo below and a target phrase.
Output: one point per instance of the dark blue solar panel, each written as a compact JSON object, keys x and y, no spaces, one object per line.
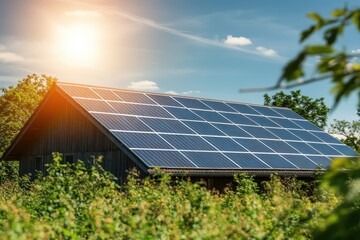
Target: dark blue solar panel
{"x":242,"y":108}
{"x":324,"y":149}
{"x":276,"y":161}
{"x":142,"y":140}
{"x":300,"y":161}
{"x":283,"y":134}
{"x":247,"y":160}
{"x":164,"y":100}
{"x":168,"y":126}
{"x":218,"y":106}
{"x":259,"y":132}
{"x":159,"y":158}
{"x":305,"y":136}
{"x":225,"y":144}
{"x":239,"y":119}
{"x":253,"y":145}
{"x":303,"y":147}
{"x":140,"y":110}
{"x":287,"y":113}
{"x":192,"y":103}
{"x":186,"y":142}
{"x":203,"y":128}
{"x":307,"y":125}
{"x":266,"y":111}
{"x":95,"y":105}
{"x":118,"y":122}
{"x":285,"y":123}
{"x":231,"y":130}
{"x":210,"y":160}
{"x":320,"y":160}
{"x":133,"y":97}
{"x":279,"y":146}
{"x":182,"y":113}
{"x":211,"y":116}
{"x":107,"y":94}
{"x":346,"y":150}
{"x":326,"y":137}
{"x":263,"y":121}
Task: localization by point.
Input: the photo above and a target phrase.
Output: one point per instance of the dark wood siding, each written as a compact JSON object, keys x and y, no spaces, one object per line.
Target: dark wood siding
{"x":60,"y":127}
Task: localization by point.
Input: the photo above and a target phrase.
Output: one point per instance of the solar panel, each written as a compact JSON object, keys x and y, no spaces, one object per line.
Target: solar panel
{"x":225,"y":144}
{"x":186,"y":142}
{"x":182,"y":113}
{"x":119,"y":122}
{"x":247,"y":160}
{"x":242,"y":108}
{"x":210,"y":160}
{"x":166,"y":125}
{"x":276,"y":161}
{"x":107,"y":94}
{"x":142,"y":140}
{"x":192,"y":103}
{"x":218,"y":106}
{"x":203,"y":128}
{"x":184,"y":132}
{"x":231,"y":130}
{"x":133,"y":97}
{"x":160,"y":158}
{"x":239,"y":119}
{"x":164,"y":100}
{"x":211,"y":116}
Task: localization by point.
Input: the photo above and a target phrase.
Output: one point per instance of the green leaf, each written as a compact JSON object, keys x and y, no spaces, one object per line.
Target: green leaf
{"x":293,"y":69}
{"x":318,"y":49}
{"x":331,"y":34}
{"x":315,"y":16}
{"x":356,"y":19}
{"x":338,"y":12}
{"x":305,"y":34}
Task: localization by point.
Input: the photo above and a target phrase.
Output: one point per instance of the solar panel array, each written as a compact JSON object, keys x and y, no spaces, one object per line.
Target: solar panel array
{"x":182,"y":132}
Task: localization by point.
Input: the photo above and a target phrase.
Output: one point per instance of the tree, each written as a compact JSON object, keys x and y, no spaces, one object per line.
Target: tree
{"x":16,"y":106}
{"x":350,"y":131}
{"x":314,"y":110}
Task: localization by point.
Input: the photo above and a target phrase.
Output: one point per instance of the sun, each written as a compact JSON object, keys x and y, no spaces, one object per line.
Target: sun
{"x":78,"y":44}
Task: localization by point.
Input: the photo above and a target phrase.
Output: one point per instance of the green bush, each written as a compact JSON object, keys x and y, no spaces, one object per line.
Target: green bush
{"x":76,"y":202}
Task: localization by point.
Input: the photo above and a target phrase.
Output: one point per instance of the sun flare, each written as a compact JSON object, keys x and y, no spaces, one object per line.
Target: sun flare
{"x":78,"y":44}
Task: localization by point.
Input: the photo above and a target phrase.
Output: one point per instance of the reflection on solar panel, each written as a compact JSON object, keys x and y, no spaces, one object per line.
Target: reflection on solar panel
{"x":183,"y":132}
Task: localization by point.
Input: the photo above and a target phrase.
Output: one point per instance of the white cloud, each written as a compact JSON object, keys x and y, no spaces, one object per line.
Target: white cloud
{"x":237,"y":41}
{"x":191,"y":92}
{"x":9,"y":57}
{"x":82,"y":13}
{"x":144,"y":85}
{"x":356,"y":51}
{"x":171,"y":92}
{"x":267,"y":51}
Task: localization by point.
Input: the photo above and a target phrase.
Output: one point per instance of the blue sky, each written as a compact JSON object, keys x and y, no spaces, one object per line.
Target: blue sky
{"x":203,"y":48}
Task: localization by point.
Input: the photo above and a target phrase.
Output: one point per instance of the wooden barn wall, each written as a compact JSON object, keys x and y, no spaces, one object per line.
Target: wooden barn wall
{"x":61,"y":128}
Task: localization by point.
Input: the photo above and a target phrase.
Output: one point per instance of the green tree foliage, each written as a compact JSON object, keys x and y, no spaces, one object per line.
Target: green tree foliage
{"x":79,"y":202}
{"x":349,"y":130}
{"x":16,"y":106}
{"x":314,"y":110}
{"x":339,"y":65}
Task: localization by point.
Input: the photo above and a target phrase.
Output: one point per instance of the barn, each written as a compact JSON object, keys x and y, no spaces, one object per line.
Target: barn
{"x":200,"y":138}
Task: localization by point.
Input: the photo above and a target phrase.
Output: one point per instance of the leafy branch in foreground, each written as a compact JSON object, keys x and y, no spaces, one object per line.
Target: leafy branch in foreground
{"x":340,"y":66}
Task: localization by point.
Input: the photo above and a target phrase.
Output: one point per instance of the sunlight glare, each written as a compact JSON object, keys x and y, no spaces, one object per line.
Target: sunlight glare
{"x":78,"y":44}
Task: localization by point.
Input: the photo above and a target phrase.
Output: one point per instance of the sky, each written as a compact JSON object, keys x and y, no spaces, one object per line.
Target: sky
{"x":202,"y":48}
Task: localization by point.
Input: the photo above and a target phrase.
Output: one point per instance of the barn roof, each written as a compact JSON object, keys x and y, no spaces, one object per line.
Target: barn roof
{"x":178,"y":133}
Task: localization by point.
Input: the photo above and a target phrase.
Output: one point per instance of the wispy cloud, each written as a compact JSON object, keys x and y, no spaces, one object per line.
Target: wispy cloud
{"x":237,"y":41}
{"x":190,"y":92}
{"x":171,"y":92}
{"x":8,"y":56}
{"x":83,"y":13}
{"x":356,"y":51}
{"x":211,"y":42}
{"x":144,"y":85}
{"x":267,"y":51}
